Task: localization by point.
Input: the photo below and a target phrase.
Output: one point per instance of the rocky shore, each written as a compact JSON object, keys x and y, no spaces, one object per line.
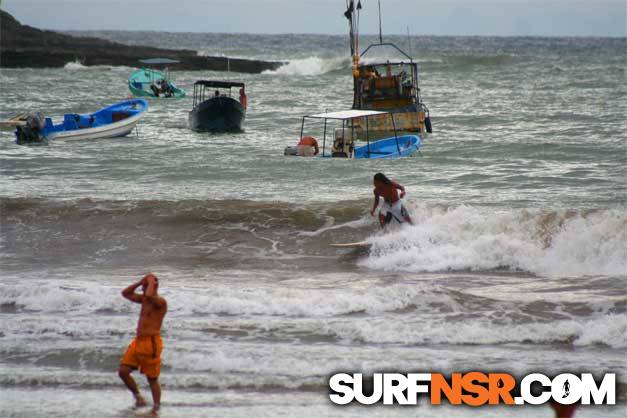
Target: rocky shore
{"x":24,"y":46}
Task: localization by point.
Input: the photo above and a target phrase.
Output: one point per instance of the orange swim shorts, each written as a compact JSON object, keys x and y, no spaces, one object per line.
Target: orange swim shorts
{"x":144,"y":353}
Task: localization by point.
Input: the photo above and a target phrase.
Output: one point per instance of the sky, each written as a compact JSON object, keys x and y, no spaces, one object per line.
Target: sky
{"x":422,"y":17}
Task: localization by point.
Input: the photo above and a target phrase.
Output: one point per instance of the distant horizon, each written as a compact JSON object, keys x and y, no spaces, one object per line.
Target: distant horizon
{"x":445,"y":18}
{"x":342,"y":34}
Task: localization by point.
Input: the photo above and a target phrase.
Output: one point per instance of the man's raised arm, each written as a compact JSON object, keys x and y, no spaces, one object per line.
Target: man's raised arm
{"x":129,"y":292}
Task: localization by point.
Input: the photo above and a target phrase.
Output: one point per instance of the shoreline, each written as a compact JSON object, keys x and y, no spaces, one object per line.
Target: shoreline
{"x":27,"y":47}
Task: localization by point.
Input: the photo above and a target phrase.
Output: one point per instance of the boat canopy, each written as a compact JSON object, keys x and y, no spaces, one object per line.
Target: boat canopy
{"x":158,"y":61}
{"x":201,"y":86}
{"x":347,"y":117}
{"x":346,"y":114}
{"x":218,"y":84}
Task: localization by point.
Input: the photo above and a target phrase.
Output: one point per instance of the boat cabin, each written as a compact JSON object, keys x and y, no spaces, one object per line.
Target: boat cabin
{"x":209,"y":89}
{"x":386,"y":86}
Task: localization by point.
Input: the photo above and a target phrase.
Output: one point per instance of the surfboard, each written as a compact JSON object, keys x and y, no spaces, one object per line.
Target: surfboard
{"x":362,"y":244}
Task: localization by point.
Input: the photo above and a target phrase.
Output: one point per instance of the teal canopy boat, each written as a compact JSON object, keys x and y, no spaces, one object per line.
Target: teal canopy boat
{"x":150,"y":82}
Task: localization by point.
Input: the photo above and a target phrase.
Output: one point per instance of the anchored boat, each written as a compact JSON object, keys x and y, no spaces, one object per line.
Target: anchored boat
{"x":214,"y":108}
{"x":116,"y":120}
{"x":344,"y":137}
{"x":390,"y":86}
{"x":149,"y":82}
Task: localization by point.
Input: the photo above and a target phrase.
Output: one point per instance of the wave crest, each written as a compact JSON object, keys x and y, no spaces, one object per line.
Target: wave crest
{"x":311,"y":66}
{"x":550,"y":243}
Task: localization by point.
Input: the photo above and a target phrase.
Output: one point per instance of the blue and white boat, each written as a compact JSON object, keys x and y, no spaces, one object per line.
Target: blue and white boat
{"x":342,"y":143}
{"x":116,"y":120}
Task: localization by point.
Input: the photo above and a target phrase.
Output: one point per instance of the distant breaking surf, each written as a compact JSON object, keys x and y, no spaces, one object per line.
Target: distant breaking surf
{"x":311,"y":66}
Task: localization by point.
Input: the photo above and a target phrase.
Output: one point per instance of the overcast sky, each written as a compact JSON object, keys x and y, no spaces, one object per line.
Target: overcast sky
{"x":424,"y":17}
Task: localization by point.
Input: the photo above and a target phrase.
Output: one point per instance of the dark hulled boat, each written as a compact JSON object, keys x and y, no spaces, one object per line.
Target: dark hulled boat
{"x":214,"y":109}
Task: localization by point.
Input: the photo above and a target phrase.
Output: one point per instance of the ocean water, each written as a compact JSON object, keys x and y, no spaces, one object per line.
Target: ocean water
{"x":517,"y":261}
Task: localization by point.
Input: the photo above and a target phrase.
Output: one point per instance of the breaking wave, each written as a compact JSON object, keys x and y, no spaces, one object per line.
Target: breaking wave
{"x":311,"y":66}
{"x":79,"y":66}
{"x":549,"y":243}
{"x":432,"y":315}
{"x":75,"y":65}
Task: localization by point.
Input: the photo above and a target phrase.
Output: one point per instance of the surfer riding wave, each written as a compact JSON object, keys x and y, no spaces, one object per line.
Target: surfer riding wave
{"x":392,"y":207}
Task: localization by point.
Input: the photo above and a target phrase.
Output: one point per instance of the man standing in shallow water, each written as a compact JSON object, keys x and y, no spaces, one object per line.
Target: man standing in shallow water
{"x":144,"y":352}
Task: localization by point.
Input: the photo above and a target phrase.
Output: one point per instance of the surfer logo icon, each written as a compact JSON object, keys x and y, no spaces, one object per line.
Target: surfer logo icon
{"x":566,"y":389}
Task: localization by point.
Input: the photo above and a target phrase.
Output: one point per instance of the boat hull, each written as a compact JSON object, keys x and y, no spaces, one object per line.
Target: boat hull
{"x":113,"y":121}
{"x":389,"y":147}
{"x":114,"y":130}
{"x":409,"y":119}
{"x":217,"y":114}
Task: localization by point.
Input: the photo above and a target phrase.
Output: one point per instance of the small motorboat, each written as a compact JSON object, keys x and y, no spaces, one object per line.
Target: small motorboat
{"x":343,"y":140}
{"x":149,"y":82}
{"x":116,"y":120}
{"x":214,"y":110}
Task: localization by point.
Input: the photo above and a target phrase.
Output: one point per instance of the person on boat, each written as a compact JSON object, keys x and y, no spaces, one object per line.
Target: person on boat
{"x":217,"y":93}
{"x":166,"y":88}
{"x":242,"y":98}
{"x":156,"y":87}
{"x":392,"y":206}
{"x":307,"y":147}
{"x":144,"y":352}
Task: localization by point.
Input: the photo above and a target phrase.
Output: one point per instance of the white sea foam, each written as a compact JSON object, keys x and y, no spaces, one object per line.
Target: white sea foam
{"x":310,"y":66}
{"x":371,"y":314}
{"x":220,"y":299}
{"x":554,"y":244}
{"x":75,"y":65}
{"x":79,"y":66}
{"x":609,"y":330}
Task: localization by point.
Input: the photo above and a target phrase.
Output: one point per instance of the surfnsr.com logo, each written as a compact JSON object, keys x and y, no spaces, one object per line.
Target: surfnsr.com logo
{"x":472,"y":389}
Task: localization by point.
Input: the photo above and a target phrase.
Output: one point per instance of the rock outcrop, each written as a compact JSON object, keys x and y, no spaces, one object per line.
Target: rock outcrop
{"x":25,"y":46}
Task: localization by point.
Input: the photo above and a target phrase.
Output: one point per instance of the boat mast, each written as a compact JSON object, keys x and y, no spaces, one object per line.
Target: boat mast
{"x":380,"y":31}
{"x":353,"y":24}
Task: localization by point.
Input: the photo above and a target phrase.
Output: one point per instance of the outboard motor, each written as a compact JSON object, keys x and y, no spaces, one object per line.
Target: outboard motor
{"x":428,"y":126}
{"x":290,"y":150}
{"x":31,"y":132}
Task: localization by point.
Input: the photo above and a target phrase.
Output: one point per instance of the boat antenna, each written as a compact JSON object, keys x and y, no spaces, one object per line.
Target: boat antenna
{"x":351,"y":24}
{"x":380,"y":35}
{"x":228,"y":61}
{"x":409,"y":41}
{"x":357,"y":28}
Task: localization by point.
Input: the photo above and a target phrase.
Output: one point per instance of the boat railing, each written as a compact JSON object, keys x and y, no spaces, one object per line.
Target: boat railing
{"x":387,"y":44}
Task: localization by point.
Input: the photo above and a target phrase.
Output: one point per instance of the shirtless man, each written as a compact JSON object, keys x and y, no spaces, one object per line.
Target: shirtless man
{"x":392,"y":207}
{"x":144,"y":352}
